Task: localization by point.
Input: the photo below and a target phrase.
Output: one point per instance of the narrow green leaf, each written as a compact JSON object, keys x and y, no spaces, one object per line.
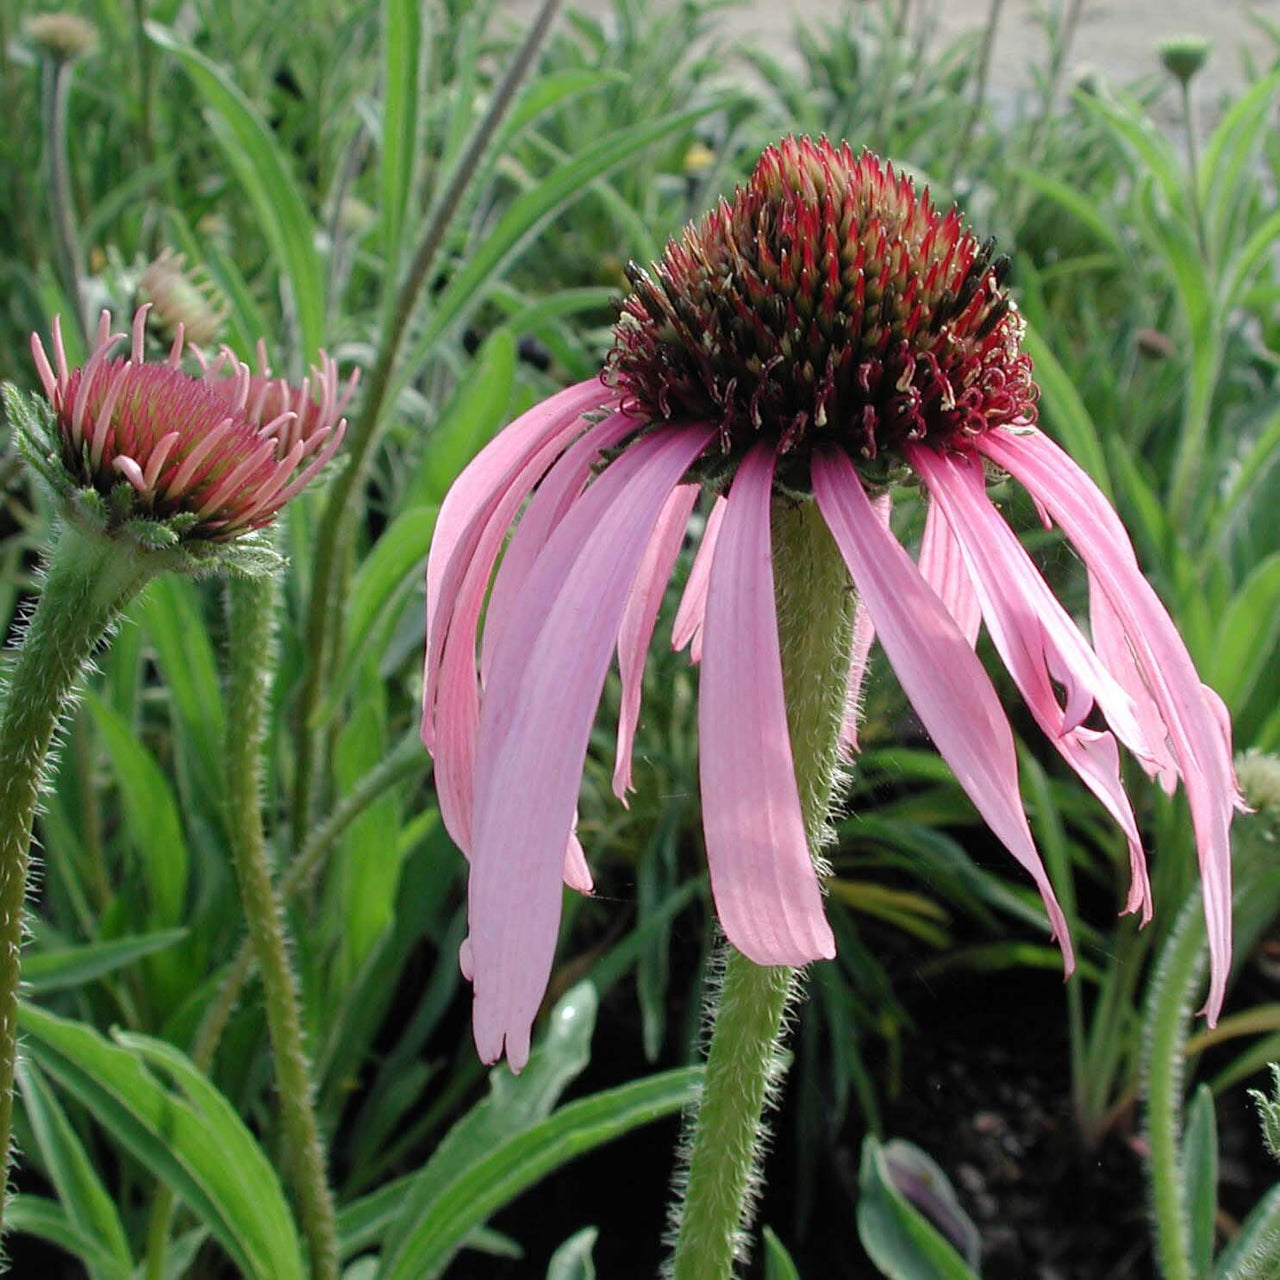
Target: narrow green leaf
{"x":1254,"y":1254}
{"x":1246,"y":639}
{"x":388,"y":573}
{"x":521,"y":1161}
{"x":172,"y":618}
{"x":402,"y":66}
{"x":1074,"y":202}
{"x":47,"y":1220}
{"x":514,"y":1103}
{"x":151,"y":813}
{"x":546,"y":93}
{"x":75,"y":967}
{"x":193,"y":1141}
{"x":1231,"y":144}
{"x":80,"y":1191}
{"x":778,"y":1264}
{"x":529,"y":213}
{"x":1138,"y":135}
{"x":1068,"y":419}
{"x":259,"y":163}
{"x":1200,"y":1162}
{"x":897,"y":1237}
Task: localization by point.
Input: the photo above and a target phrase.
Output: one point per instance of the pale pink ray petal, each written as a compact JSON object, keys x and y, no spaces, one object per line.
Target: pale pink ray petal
{"x":1222,"y":716}
{"x":539,"y":705}
{"x":479,"y":509}
{"x":693,"y":603}
{"x":492,"y":469}
{"x":762,"y":875}
{"x":1001,"y":571}
{"x":1071,"y":660}
{"x":864,"y":634}
{"x":576,"y":874}
{"x":451,"y":701}
{"x":941,"y":675}
{"x":1195,"y":736}
{"x":942,"y":567}
{"x":1117,"y":656}
{"x":130,"y":470}
{"x":552,"y":499}
{"x":638,"y":622}
{"x":45,"y":370}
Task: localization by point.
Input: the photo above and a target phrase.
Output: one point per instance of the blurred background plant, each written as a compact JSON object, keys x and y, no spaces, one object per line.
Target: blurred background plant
{"x":376,"y":179}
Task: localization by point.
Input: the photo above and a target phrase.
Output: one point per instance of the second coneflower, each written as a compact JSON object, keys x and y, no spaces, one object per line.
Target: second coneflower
{"x":153,"y":469}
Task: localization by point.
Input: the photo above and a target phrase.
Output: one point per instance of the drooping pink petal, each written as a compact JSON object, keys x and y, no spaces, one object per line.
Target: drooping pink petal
{"x":762,"y":876}
{"x":551,"y":501}
{"x":1006,"y":583}
{"x":1195,"y":736}
{"x":941,"y":675}
{"x":942,"y":567}
{"x":576,"y":874}
{"x":864,"y":634}
{"x":1222,"y":716}
{"x":638,"y":622}
{"x":454,"y":695}
{"x":1117,"y":656}
{"x":515,"y":457}
{"x":540,"y":700}
{"x":693,"y":603}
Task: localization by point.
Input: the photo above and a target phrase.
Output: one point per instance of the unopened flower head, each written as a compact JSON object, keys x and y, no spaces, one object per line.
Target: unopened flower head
{"x":199,"y":453}
{"x":820,"y":335}
{"x":180,"y":298}
{"x":62,"y":36}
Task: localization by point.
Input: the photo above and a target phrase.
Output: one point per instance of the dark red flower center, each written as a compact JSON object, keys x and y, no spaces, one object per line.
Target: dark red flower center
{"x":828,"y":301}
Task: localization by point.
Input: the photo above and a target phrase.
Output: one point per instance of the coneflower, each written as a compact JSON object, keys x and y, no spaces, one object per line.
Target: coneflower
{"x":818,"y":339}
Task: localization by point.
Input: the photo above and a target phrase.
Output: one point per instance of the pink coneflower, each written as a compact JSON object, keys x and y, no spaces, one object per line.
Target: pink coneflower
{"x":219,"y":454}
{"x":824,"y":335}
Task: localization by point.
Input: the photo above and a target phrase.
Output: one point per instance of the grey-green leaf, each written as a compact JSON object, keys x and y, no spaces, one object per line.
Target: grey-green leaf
{"x":897,"y":1237}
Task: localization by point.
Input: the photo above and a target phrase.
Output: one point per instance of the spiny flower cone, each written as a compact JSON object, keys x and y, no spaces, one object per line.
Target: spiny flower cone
{"x":821,"y":335}
{"x":825,"y":303}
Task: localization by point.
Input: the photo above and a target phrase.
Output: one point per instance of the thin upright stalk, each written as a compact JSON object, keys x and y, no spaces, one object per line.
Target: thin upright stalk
{"x":1193,"y":163}
{"x":56,"y":95}
{"x":343,"y":501}
{"x":987,"y":49}
{"x":89,"y":582}
{"x":252,"y":604}
{"x":744,"y":1064}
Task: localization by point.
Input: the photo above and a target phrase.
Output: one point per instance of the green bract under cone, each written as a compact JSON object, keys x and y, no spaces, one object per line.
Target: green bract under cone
{"x":828,"y":301}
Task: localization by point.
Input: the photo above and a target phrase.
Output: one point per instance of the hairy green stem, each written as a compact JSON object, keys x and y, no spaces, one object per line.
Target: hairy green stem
{"x":744,"y":1066}
{"x":252,"y":605}
{"x":403,"y":761}
{"x":343,"y":501}
{"x":1178,"y":977}
{"x":89,"y":582}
